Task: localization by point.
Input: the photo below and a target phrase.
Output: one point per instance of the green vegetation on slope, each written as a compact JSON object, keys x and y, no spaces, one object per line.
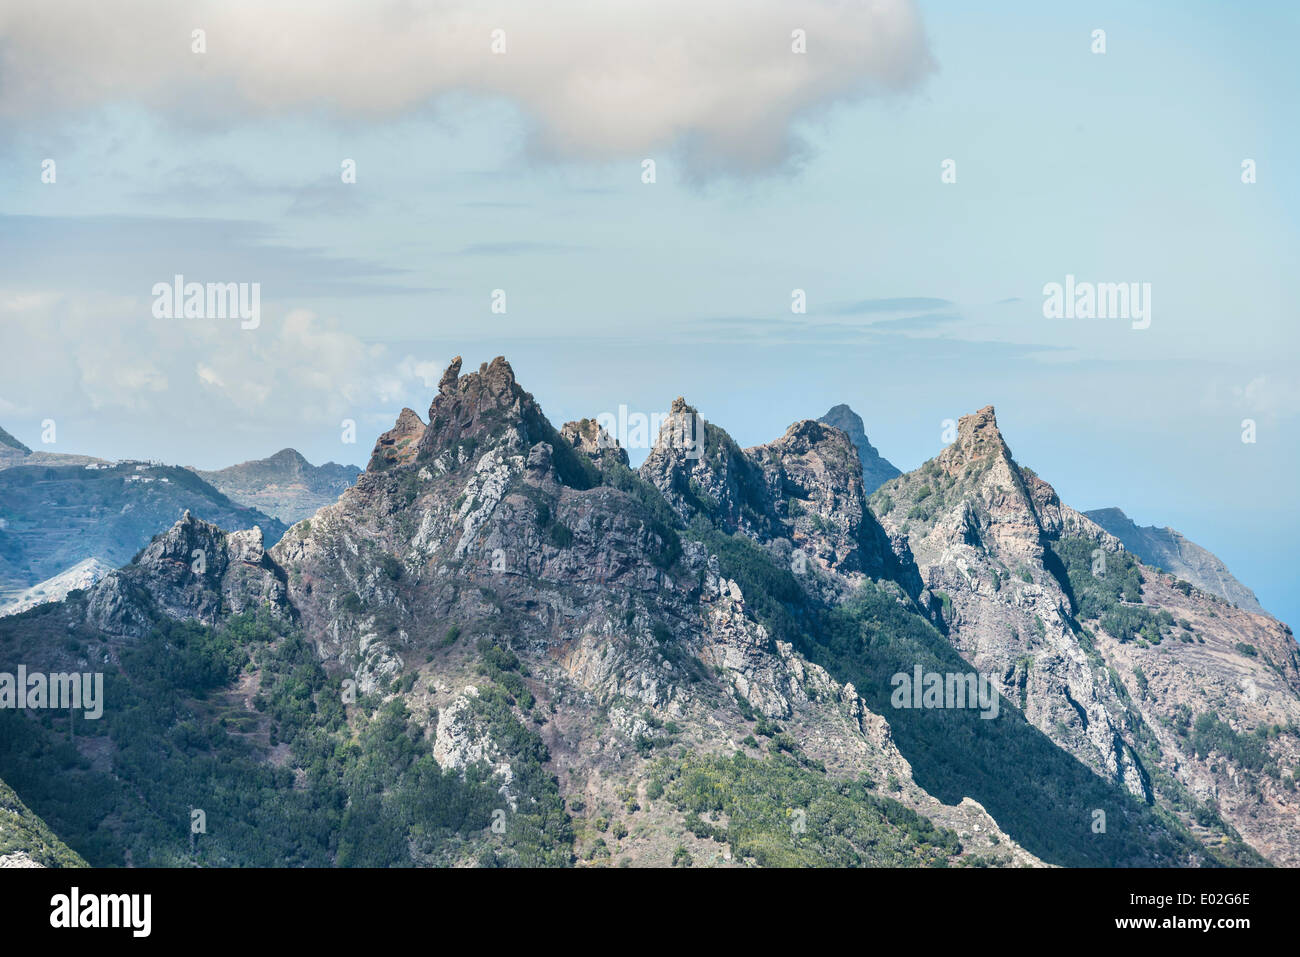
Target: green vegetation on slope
{"x":358,"y":789}
{"x":1113,"y":595}
{"x":784,"y":815}
{"x":1040,"y":795}
{"x":22,"y":832}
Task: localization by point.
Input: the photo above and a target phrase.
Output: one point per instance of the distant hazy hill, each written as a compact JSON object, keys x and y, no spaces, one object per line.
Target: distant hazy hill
{"x":13,"y":452}
{"x":285,"y":485}
{"x":876,"y":469}
{"x":80,"y":576}
{"x":52,"y":517}
{"x":1167,"y":549}
{"x":8,"y":441}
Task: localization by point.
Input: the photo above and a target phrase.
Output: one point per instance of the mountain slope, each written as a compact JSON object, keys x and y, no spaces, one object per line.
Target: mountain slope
{"x":876,"y":469}
{"x":51,"y":518}
{"x":26,"y":841}
{"x":1169,"y":551}
{"x":80,"y":576}
{"x":9,"y":442}
{"x":1075,"y":629}
{"x":528,"y":633}
{"x":285,"y":486}
{"x":503,"y":646}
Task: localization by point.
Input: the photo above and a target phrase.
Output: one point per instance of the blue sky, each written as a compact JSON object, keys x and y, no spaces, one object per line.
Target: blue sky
{"x":924,"y":297}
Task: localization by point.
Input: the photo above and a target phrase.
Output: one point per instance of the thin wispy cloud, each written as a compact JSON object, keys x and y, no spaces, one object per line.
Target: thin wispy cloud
{"x":126,"y":255}
{"x":902,"y":304}
{"x":520,"y":248}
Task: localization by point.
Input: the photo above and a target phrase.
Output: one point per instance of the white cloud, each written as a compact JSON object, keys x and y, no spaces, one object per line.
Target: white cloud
{"x":78,"y":355}
{"x":430,"y":373}
{"x":598,"y":80}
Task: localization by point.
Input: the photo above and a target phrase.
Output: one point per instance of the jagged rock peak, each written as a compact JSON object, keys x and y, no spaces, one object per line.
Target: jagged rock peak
{"x":808,"y":435}
{"x":983,"y":422}
{"x":812,"y":431}
{"x":190,"y":529}
{"x":814,"y":477}
{"x":398,"y":446}
{"x":876,"y":469}
{"x":699,"y":468}
{"x":498,"y":375}
{"x":193,"y":570}
{"x":977,"y":438}
{"x":409,"y":418}
{"x":586,"y":435}
{"x":447,"y":383}
{"x":682,"y":432}
{"x":484,"y":406}
{"x":495,"y":379}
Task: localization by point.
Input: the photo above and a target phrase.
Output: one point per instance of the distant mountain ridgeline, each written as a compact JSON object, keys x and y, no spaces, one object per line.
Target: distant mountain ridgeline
{"x":66,"y":518}
{"x":53,"y":517}
{"x":501,"y":645}
{"x":285,"y":485}
{"x":1169,"y":551}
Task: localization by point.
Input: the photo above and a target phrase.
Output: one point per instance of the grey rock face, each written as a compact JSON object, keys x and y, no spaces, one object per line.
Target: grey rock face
{"x":814,"y":479}
{"x":979,"y":528}
{"x":193,"y":571}
{"x":400,"y":444}
{"x":1167,"y":549}
{"x":801,"y":494}
{"x":699,"y":469}
{"x":589,"y":438}
{"x":982,"y":530}
{"x":876,"y":469}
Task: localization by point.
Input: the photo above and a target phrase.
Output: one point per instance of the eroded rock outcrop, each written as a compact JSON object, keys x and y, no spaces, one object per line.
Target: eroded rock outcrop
{"x":194,"y":570}
{"x":1114,"y":661}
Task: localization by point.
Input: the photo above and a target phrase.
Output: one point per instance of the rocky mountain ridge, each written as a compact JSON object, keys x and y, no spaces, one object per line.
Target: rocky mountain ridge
{"x":1074,"y":626}
{"x":691,"y":662}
